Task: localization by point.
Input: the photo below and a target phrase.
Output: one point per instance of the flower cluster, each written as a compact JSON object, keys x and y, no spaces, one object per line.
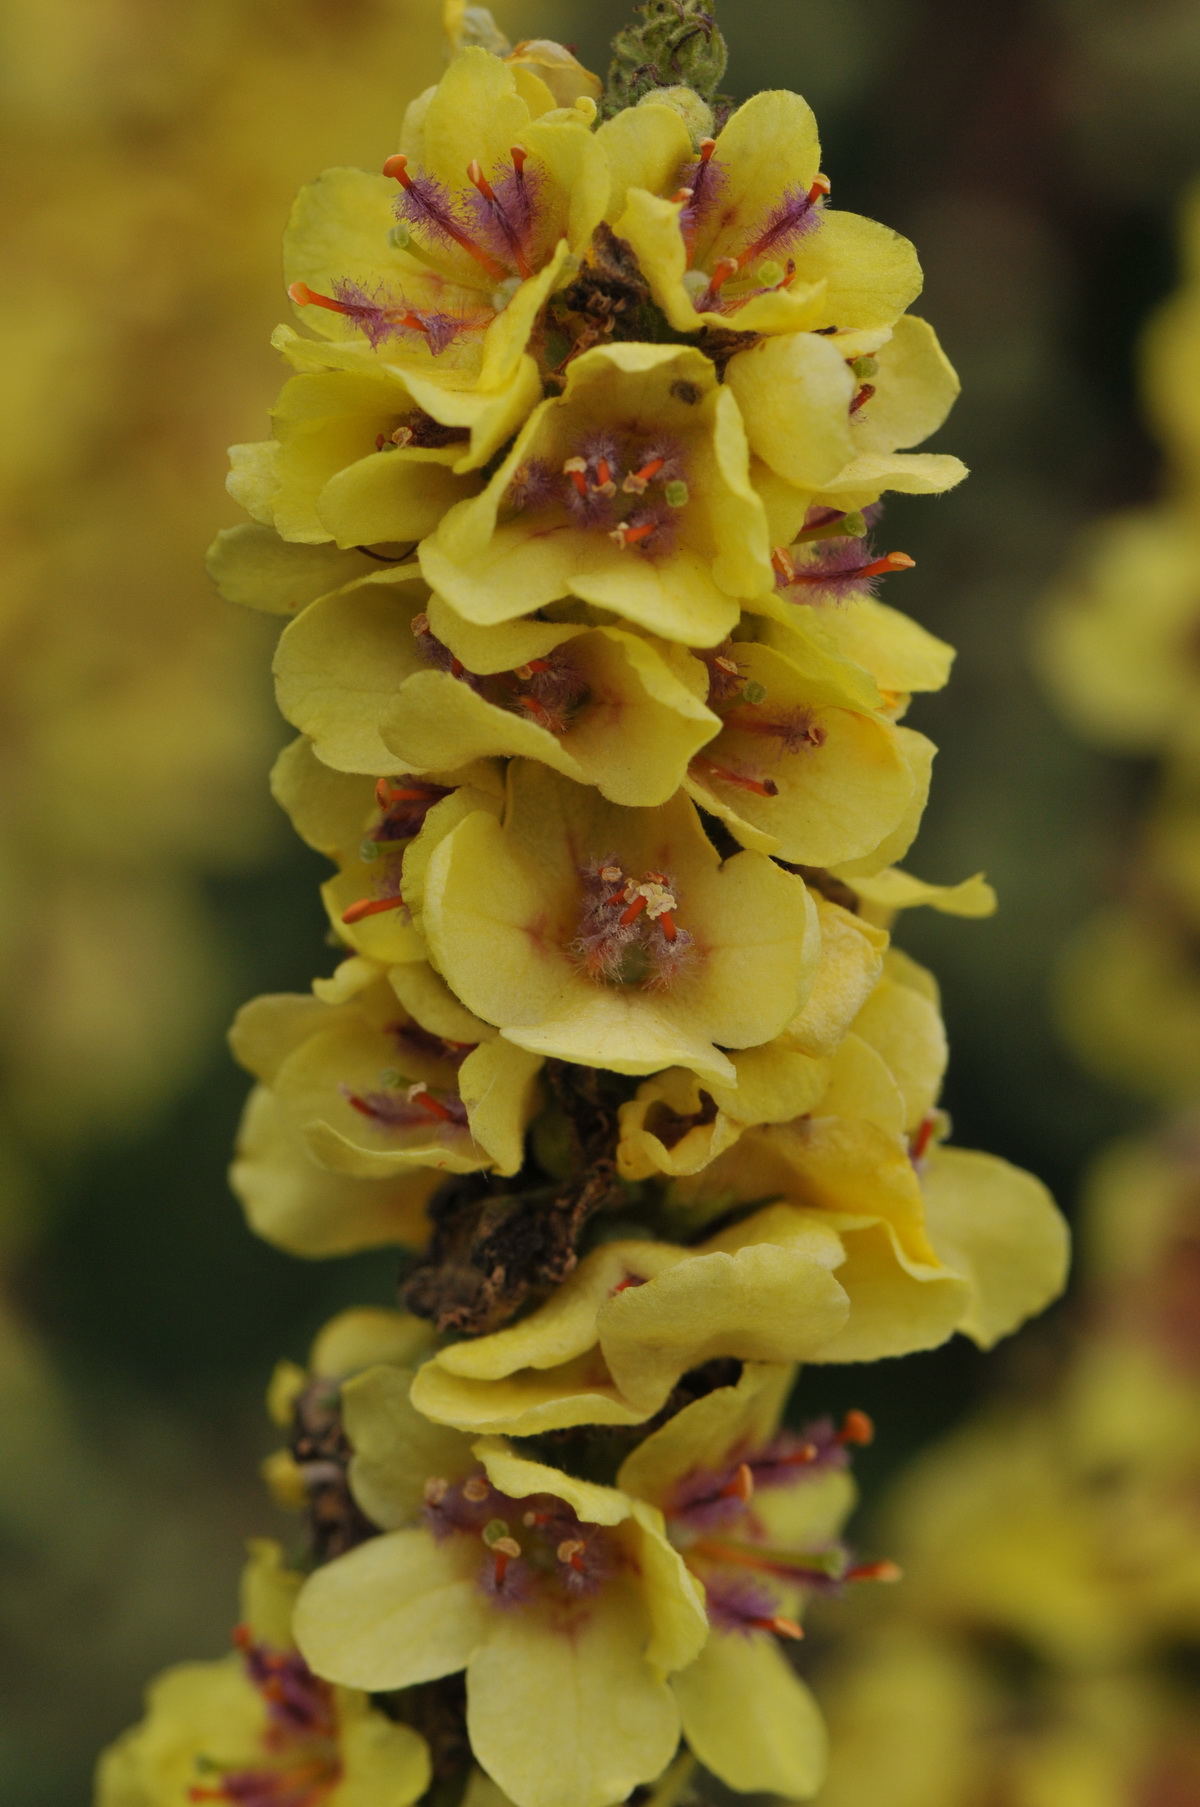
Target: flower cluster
{"x":571,"y":503}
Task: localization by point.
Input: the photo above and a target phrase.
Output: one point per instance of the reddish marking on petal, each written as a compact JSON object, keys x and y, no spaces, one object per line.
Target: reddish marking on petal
{"x":371,"y":906}
{"x":922,"y":1138}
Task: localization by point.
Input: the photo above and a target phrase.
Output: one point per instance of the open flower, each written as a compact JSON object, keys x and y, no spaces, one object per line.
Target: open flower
{"x":800,"y":768}
{"x":745,"y":240}
{"x":630,"y":491}
{"x":366,"y":826}
{"x":259,"y":1727}
{"x":615,"y":937}
{"x":379,"y":674}
{"x":441,"y":266}
{"x":374,"y":1093}
{"x":563,"y":1601}
{"x":893,"y":387}
{"x":756,"y":1513}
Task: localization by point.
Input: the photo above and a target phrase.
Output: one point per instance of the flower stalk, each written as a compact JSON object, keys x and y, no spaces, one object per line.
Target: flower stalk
{"x":569,"y":510}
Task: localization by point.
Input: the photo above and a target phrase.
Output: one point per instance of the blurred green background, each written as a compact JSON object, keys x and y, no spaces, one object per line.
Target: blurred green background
{"x":1035,"y":150}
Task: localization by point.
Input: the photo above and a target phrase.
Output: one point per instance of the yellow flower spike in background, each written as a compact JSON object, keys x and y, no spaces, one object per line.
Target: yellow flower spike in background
{"x":1052,"y":1547}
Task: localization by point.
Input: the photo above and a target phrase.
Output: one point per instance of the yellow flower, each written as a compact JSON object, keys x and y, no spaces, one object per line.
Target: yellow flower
{"x":801,"y":768}
{"x":833,"y":416}
{"x":381,"y":673}
{"x":370,"y":1091}
{"x":745,"y":241}
{"x":1116,"y":644}
{"x":260,"y":1726}
{"x":441,"y":281}
{"x":615,"y":937}
{"x":756,"y":1514}
{"x":631,"y":491}
{"x":563,"y":1601}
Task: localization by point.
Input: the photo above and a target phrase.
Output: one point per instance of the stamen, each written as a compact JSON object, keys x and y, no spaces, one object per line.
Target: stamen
{"x":435,"y":1490}
{"x":576,"y":470}
{"x":381,"y":318}
{"x":638,"y":481}
{"x":761,"y":787}
{"x":423,"y":1098}
{"x":626,"y":535}
{"x":427,"y":203}
{"x":783,"y":1628}
{"x":741,"y":1487}
{"x":919,"y":1143}
{"x":371,"y":906}
{"x":570,"y":1551}
{"x":856,"y":1428}
{"x":784,"y":566}
{"x":507,"y":229}
{"x":863,"y":395}
{"x":476,"y":1489}
{"x":874,"y":1571}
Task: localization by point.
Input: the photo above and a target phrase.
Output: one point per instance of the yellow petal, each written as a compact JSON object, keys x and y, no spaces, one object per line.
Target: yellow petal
{"x":918,"y":754}
{"x":760,"y":1304}
{"x":365,"y":1335}
{"x":868,"y":475}
{"x":794,"y":392}
{"x":851,"y":962}
{"x":896,"y":890}
{"x":339,"y":665}
{"x":1000,"y":1228}
{"x":897,"y":1303}
{"x":398,"y":1610}
{"x":518,"y":1477}
{"x":750,"y":1719}
{"x":293,"y":1203}
{"x":527,"y":1404}
{"x":383,"y":1764}
{"x":328,"y":809}
{"x":915,"y":389}
{"x":871,"y":273}
{"x":644,"y":147}
{"x":396,"y":1450}
{"x":906,"y":1029}
{"x":499,"y":1086}
{"x":899,"y":654}
{"x":678,"y":1620}
{"x":252,"y":566}
{"x":861,"y":1086}
{"x":268,"y":1593}
{"x":252,"y":479}
{"x":704,"y":1433}
{"x":614,"y":1722}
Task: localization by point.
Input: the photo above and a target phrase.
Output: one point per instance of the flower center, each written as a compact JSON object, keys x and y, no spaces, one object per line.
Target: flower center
{"x":549,"y":691}
{"x":494,"y":220}
{"x":530,"y":1548}
{"x":627,"y":933}
{"x":631,"y":488}
{"x":302,"y":1766}
{"x":755,"y":269}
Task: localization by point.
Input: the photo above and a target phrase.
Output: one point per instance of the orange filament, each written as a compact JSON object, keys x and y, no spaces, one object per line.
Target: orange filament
{"x":808,"y":1452}
{"x":637,"y":481}
{"x":722,"y":271}
{"x":606,"y":486}
{"x":478,"y":180}
{"x":520,"y":157}
{"x":894,"y":561}
{"x":576,"y":470}
{"x":385,"y":793}
{"x":545,"y":718}
{"x":874,"y":1571}
{"x":765,"y":1563}
{"x":783,"y":564}
{"x":423,"y":1098}
{"x":666,"y":923}
{"x":741,"y":1487}
{"x":820,"y":188}
{"x":303,"y":296}
{"x":634,"y":911}
{"x":783,"y":1628}
{"x":761,"y":787}
{"x":863,"y":395}
{"x":924,"y":1135}
{"x":397,"y":167}
{"x":370,"y":906}
{"x":856,"y":1428}
{"x":625,"y":535}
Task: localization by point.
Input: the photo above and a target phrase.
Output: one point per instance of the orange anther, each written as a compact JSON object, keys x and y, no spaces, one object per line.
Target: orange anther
{"x":741,"y":1487}
{"x":707,"y":147}
{"x":570,"y":1551}
{"x":856,"y":1428}
{"x":519,"y":155}
{"x":478,"y":180}
{"x":784,"y":566}
{"x":783,"y":1628}
{"x":396,"y":166}
{"x":637,"y":481}
{"x":820,"y":188}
